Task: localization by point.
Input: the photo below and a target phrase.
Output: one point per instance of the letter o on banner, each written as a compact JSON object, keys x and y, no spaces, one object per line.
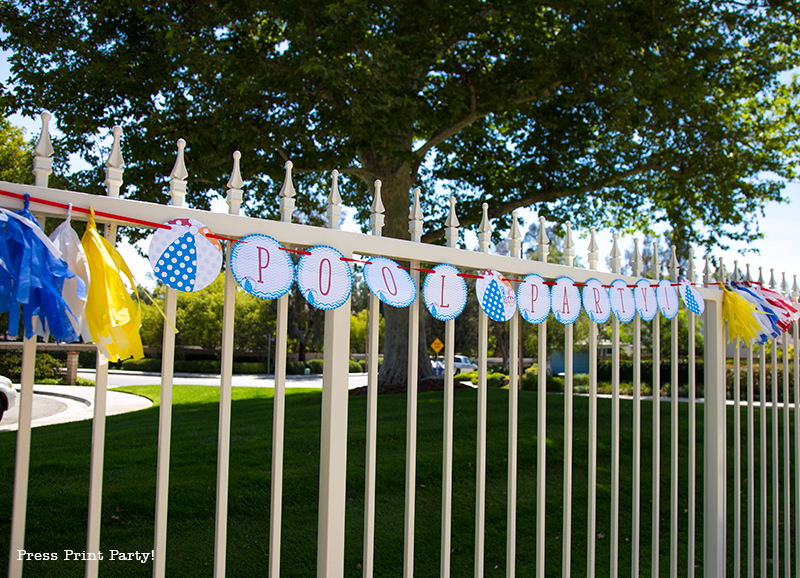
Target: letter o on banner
{"x":261,"y":267}
{"x":622,"y":302}
{"x":323,"y":278}
{"x":646,"y":300}
{"x":565,"y":301}
{"x":667,"y":299}
{"x":533,"y":299}
{"x":596,"y":302}
{"x":444,"y":292}
{"x":389,"y":282}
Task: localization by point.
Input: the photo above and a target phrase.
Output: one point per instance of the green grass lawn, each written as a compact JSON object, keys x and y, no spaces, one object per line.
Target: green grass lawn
{"x":58,"y":491}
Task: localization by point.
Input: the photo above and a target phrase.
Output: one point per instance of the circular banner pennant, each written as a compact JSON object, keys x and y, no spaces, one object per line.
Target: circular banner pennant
{"x":389,"y":282}
{"x":260,"y":266}
{"x":533,"y":297}
{"x":444,"y":292}
{"x":183,"y":257}
{"x":622,"y":302}
{"x":496,"y":295}
{"x":646,"y":301}
{"x":667,"y":299}
{"x":596,"y":301}
{"x":323,"y":278}
{"x":691,"y":297}
{"x":565,"y":301}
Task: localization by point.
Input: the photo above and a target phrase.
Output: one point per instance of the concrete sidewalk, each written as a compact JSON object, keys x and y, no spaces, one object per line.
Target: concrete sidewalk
{"x":64,"y":403}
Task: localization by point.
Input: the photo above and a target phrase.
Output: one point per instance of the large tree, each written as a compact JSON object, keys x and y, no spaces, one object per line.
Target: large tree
{"x":621,"y":114}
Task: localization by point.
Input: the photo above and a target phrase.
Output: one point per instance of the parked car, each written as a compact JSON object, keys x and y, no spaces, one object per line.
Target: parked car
{"x":463,"y":364}
{"x":8,"y":395}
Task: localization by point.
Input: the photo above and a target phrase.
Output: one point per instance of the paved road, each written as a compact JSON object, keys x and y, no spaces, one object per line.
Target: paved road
{"x":60,"y":404}
{"x":124,"y":378}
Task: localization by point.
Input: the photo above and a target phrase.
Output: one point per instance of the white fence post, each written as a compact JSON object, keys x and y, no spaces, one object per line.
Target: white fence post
{"x":542,"y":249}
{"x":113,"y":183}
{"x":177,"y":190}
{"x":515,"y":248}
{"x":715,"y":477}
{"x":42,"y":163}
{"x":333,"y":440}
{"x":226,"y":381}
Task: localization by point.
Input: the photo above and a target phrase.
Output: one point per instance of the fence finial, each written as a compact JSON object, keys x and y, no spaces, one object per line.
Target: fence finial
{"x":114,"y":165}
{"x":43,"y":153}
{"x":616,"y":255}
{"x":376,"y":211}
{"x":719,"y":274}
{"x":760,"y":276}
{"x":334,"y":202}
{"x":594,"y":250}
{"x":637,"y":259}
{"x":177,"y":182}
{"x":772,"y":284}
{"x":784,"y":285}
{"x":515,"y":237}
{"x":543,"y":241}
{"x":415,"y":218}
{"x":795,"y":289}
{"x":569,"y":245}
{"x":485,"y":230}
{"x":234,"y":185}
{"x":655,"y":268}
{"x":287,"y":194}
{"x":674,"y":266}
{"x":690,"y":267}
{"x":747,"y":276}
{"x":736,"y":275}
{"x":115,"y":156}
{"x":707,"y":269}
{"x":451,"y":224}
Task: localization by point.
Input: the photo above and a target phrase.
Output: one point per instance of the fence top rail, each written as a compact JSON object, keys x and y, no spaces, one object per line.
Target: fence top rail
{"x":349,"y":243}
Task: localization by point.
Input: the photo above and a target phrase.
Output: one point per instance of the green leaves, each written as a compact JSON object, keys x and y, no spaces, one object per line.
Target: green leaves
{"x":587,"y":111}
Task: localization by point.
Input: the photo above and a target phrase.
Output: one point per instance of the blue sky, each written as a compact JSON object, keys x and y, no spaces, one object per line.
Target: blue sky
{"x":778,"y":250}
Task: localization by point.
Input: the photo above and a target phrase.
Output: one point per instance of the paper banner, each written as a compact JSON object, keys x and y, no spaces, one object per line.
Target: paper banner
{"x":444,"y":292}
{"x":691,"y":297}
{"x":667,"y":297}
{"x":389,"y":282}
{"x":596,"y":301}
{"x":565,"y":301}
{"x":323,"y":278}
{"x":496,"y":296}
{"x":183,"y":257}
{"x":533,"y":298}
{"x":622,"y":302}
{"x":261,"y":268}
{"x":646,"y":302}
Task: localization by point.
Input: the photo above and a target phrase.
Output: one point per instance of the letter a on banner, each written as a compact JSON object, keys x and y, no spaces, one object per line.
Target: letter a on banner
{"x":323,"y":278}
{"x":389,"y":282}
{"x":533,"y":299}
{"x":444,"y":292}
{"x":565,"y":301}
{"x":261,"y":268}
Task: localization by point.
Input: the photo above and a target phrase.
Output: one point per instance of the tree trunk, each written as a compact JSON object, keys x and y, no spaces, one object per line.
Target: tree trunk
{"x":397,"y":181}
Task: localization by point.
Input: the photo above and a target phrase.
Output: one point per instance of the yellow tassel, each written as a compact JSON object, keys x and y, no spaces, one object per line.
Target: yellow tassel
{"x":111,"y":314}
{"x":738,"y":312}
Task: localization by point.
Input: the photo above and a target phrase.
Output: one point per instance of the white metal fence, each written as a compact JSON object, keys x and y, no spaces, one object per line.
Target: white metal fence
{"x":747,"y":550}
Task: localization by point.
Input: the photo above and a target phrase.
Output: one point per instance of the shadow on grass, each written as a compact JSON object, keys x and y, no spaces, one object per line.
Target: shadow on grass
{"x":58,"y":490}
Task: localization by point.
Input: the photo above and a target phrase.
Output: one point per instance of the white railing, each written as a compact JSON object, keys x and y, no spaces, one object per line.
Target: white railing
{"x":334,"y":419}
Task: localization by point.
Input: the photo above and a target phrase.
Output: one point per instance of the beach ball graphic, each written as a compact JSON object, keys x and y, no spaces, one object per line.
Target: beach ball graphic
{"x":184,"y":257}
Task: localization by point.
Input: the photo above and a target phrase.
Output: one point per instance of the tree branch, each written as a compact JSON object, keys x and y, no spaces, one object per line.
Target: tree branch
{"x":546,"y":196}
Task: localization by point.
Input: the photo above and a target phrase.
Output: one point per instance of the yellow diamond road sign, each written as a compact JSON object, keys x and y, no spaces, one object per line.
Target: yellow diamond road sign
{"x":437,"y":345}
